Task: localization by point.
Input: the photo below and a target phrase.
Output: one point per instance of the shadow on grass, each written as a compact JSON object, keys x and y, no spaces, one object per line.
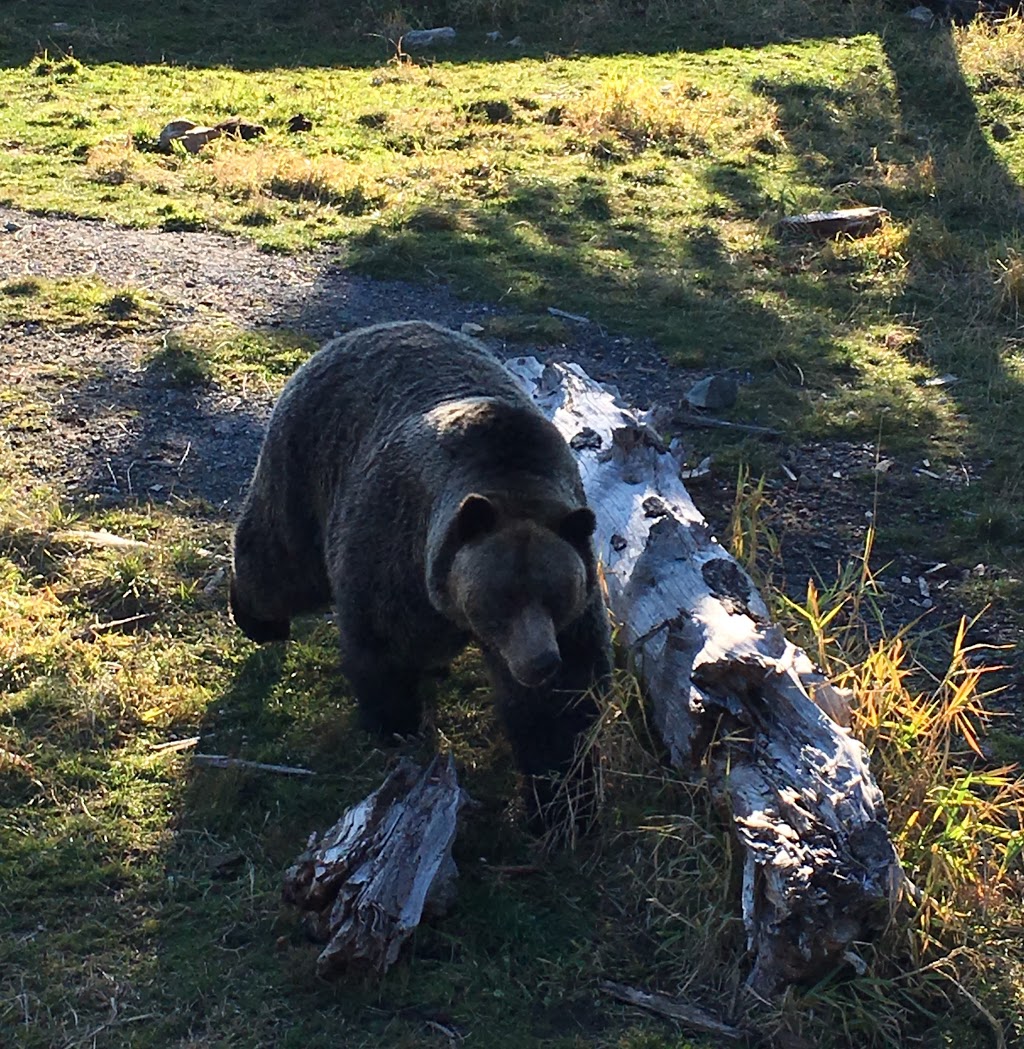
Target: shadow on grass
{"x":265,"y":34}
{"x":962,"y":189}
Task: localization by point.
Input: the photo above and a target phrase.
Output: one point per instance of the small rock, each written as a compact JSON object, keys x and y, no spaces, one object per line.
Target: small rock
{"x":60,"y":27}
{"x":697,"y":473}
{"x":494,"y":37}
{"x":516,"y":41}
{"x":1000,"y":132}
{"x":469,"y":328}
{"x":921,"y":14}
{"x":11,"y":227}
{"x":417,"y":38}
{"x":716,"y":391}
{"x":586,"y":438}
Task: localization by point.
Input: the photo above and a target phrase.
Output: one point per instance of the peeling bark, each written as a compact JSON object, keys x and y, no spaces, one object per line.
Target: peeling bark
{"x":368,"y":880}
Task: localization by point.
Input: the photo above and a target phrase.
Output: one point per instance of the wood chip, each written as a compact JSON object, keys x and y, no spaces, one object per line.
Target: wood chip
{"x":853,"y":222}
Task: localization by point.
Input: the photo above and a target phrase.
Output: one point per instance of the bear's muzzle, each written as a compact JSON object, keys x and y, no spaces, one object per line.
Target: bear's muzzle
{"x":531,"y":651}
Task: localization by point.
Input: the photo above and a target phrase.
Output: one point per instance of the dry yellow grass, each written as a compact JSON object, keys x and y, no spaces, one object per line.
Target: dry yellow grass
{"x":992,"y":50}
{"x":686,"y":116}
{"x":116,"y":161}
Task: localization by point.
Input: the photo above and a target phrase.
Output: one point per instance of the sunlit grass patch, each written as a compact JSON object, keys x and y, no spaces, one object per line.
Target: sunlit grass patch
{"x":231,"y":356}
{"x":1009,"y":282}
{"x":679,"y":116}
{"x":287,"y":175}
{"x":991,"y":51}
{"x":120,"y":161}
{"x":76,"y":302}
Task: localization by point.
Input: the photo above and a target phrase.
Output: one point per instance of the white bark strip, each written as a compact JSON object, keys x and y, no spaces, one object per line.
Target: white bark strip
{"x":368,"y":880}
{"x":820,"y":870}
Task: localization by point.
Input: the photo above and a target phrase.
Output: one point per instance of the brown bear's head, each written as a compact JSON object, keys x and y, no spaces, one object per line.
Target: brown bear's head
{"x":514,"y":583}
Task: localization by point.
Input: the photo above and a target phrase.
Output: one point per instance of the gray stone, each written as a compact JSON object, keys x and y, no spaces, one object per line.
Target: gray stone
{"x":716,"y":391}
{"x":417,"y":38}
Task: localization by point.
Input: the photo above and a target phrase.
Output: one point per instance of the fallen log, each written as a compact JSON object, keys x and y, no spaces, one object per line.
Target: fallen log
{"x":729,"y":693}
{"x":853,"y":222}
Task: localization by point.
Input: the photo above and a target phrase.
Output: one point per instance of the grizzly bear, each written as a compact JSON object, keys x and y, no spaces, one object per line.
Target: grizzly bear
{"x":407,"y":478}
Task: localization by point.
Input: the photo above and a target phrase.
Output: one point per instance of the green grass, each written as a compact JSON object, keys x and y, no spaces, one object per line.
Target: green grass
{"x":76,"y":304}
{"x":639,"y":189}
{"x":628,"y":168}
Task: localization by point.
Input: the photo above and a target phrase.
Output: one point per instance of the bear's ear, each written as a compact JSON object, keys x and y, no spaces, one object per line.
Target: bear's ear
{"x":477,"y":516}
{"x":578,"y":525}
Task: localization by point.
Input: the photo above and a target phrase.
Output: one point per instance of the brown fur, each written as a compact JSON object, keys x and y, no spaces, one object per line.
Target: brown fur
{"x":406,"y":477}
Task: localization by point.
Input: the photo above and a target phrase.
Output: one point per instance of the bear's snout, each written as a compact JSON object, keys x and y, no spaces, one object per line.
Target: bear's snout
{"x":531,"y":649}
{"x":541,"y":670}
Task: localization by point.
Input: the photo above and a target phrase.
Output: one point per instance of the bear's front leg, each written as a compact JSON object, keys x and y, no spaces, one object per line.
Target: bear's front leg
{"x":269,"y":584}
{"x":386,"y":689}
{"x":548,"y":727}
{"x":259,"y":630}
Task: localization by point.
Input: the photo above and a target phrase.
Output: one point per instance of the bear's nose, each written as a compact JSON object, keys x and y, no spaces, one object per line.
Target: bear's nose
{"x":543,"y":668}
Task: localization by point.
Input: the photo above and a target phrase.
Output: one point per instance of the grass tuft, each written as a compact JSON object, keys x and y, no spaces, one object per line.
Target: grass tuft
{"x":1010,"y":284}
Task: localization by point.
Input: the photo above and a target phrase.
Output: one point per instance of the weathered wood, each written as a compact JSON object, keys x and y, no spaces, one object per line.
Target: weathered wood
{"x":673,"y":1009}
{"x":729,"y":692}
{"x":854,"y":222}
{"x":368,"y":880}
{"x":100,"y":538}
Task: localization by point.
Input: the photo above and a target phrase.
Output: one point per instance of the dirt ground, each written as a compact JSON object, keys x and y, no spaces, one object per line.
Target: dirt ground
{"x":115,"y":431}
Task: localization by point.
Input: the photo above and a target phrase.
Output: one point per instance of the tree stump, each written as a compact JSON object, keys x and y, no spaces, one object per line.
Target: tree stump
{"x":368,"y":880}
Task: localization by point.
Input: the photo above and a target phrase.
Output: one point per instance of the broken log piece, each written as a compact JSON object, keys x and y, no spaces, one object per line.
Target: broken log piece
{"x":854,"y":222}
{"x":820,"y":870}
{"x":369,"y":879}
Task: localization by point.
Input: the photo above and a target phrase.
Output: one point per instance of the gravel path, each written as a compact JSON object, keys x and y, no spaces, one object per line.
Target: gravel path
{"x":116,"y":430}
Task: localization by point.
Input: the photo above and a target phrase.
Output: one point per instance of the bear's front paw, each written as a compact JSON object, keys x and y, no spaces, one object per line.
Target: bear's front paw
{"x":389,"y":725}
